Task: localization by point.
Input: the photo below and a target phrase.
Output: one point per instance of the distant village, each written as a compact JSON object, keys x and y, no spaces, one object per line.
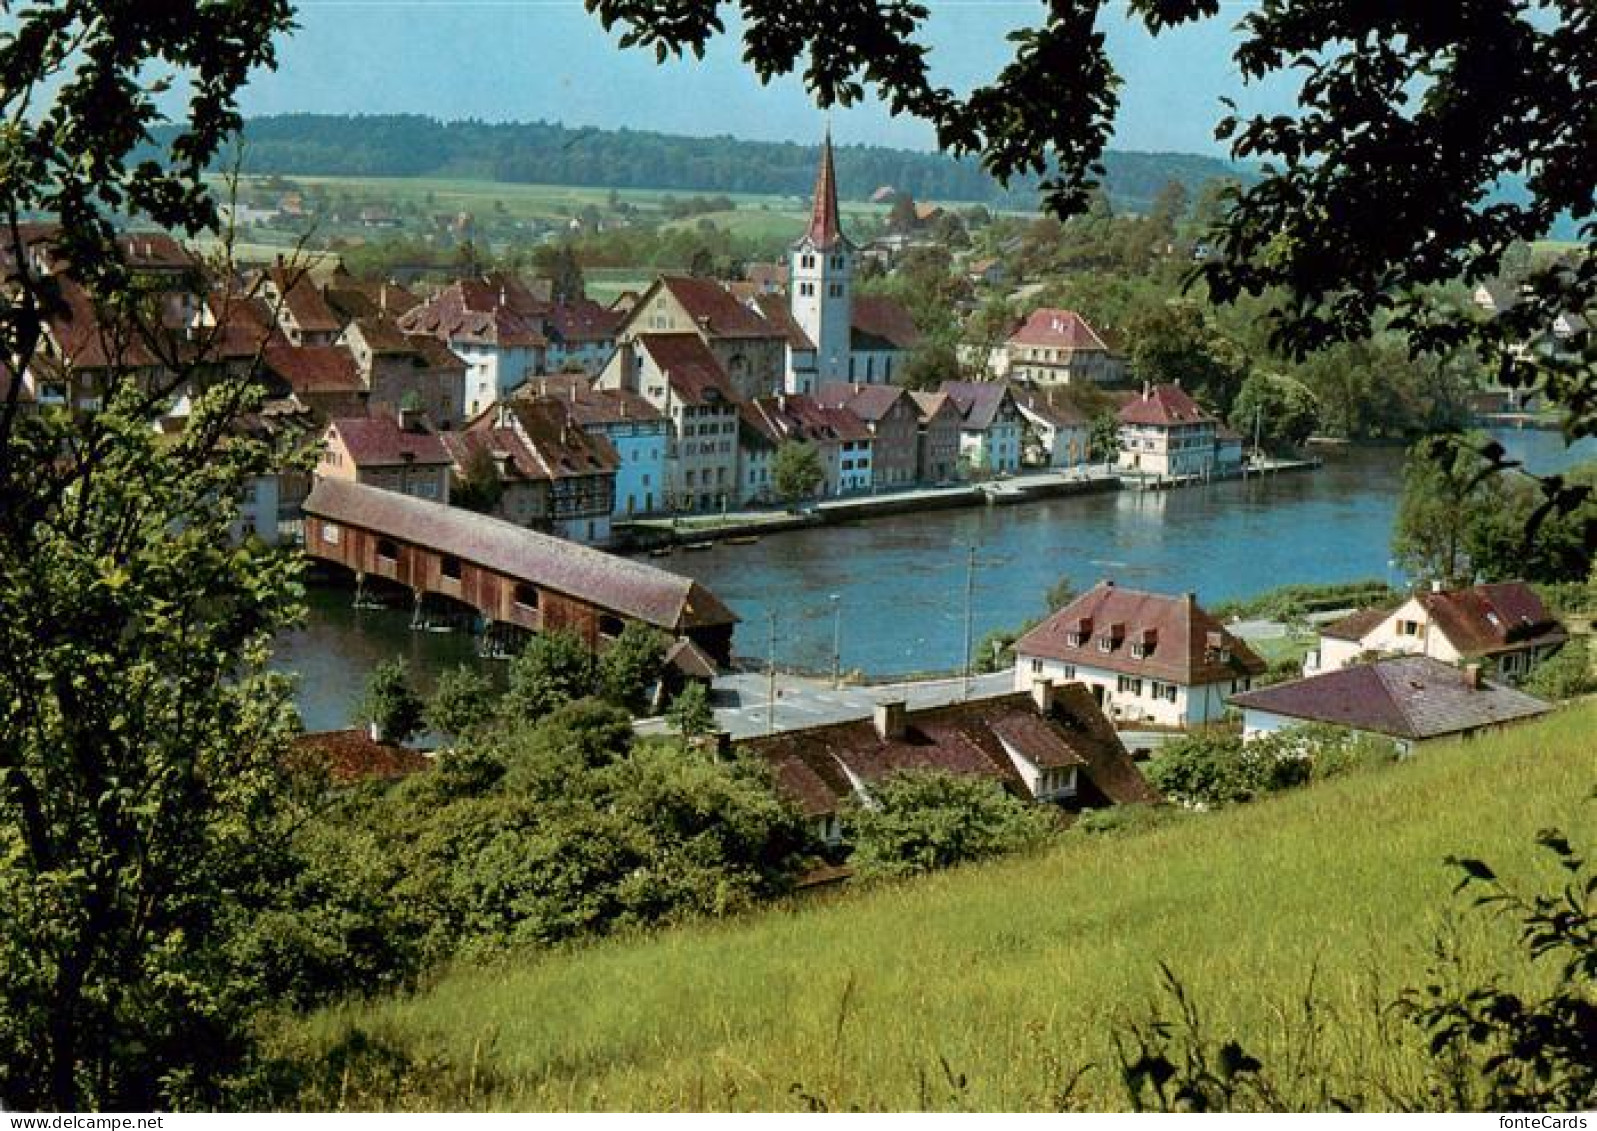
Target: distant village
{"x":483,"y":443}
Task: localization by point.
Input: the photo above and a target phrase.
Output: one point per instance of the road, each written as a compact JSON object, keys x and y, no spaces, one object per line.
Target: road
{"x":743,"y":704}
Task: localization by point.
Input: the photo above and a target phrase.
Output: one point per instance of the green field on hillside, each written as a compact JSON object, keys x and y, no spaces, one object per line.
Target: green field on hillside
{"x":990,"y":987}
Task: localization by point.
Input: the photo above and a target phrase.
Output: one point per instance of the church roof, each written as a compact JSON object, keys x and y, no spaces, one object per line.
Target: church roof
{"x":826,"y":227}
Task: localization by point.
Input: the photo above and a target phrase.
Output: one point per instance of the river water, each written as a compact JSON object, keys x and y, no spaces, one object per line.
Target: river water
{"x":900,"y":582}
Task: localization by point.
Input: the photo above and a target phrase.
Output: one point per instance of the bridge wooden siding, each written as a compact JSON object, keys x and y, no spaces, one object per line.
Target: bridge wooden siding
{"x":508,"y":574}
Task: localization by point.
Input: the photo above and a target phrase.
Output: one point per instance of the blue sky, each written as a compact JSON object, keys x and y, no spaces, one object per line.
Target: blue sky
{"x":519,"y":60}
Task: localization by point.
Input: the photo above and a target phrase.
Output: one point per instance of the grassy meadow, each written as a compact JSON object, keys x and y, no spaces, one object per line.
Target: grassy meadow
{"x":990,"y":987}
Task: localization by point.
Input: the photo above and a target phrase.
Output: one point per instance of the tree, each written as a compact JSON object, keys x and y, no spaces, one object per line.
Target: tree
{"x":796,"y":471}
{"x":462,"y":700}
{"x":1281,"y":412}
{"x":391,"y":707}
{"x":555,"y":668}
{"x":1103,"y":437}
{"x":140,"y":735}
{"x":559,"y":264}
{"x":480,"y":487}
{"x":1175,"y":343}
{"x":923,"y":820}
{"x":901,"y":216}
{"x":690,"y":714}
{"x":631,"y":666}
{"x":1442,"y":489}
{"x":928,"y":365}
{"x":1060,"y":594}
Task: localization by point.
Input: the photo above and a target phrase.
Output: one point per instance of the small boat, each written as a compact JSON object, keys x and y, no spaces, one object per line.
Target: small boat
{"x":696,"y":546}
{"x":662,"y":551}
{"x":743,"y":540}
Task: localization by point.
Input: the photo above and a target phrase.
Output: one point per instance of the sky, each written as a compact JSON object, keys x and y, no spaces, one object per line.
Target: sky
{"x":524,"y":60}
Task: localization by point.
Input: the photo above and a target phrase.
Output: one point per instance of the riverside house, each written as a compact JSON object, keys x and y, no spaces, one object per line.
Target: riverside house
{"x":1164,"y":432}
{"x":1145,"y":657}
{"x":400,"y":454}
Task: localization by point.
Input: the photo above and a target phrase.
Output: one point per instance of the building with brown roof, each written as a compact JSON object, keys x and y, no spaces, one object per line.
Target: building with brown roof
{"x":1059,"y":347}
{"x":403,"y":370}
{"x":350,"y":756}
{"x":937,"y":438}
{"x":582,"y":335}
{"x":511,"y":575}
{"x":298,"y":305}
{"x":536,"y":443}
{"x":1408,"y":699}
{"x":492,"y":325}
{"x":324,"y":378}
{"x":840,"y":439}
{"x":400,"y":454}
{"x":1503,"y":626}
{"x":1147,"y":657}
{"x":639,"y":432}
{"x":893,"y":420}
{"x":1165,"y":433}
{"x":990,"y":425}
{"x":683,"y":379}
{"x":1050,"y":744}
{"x":749,"y":350}
{"x":1057,"y":433}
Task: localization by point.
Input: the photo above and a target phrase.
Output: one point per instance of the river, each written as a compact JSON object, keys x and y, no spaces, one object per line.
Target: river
{"x":900,"y":582}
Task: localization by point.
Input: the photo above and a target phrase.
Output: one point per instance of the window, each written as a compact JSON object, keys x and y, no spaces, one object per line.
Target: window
{"x":526,"y":596}
{"x":835,"y":290}
{"x":1105,"y":644}
{"x":387,"y":548}
{"x":450,"y":567}
{"x":610,"y":625}
{"x":807,"y":289}
{"x":1139,"y":651}
{"x":807,"y":261}
{"x":1073,"y":639}
{"x":1036,"y":667}
{"x":1408,"y":628}
{"x":329,"y":534}
{"x":1068,"y":671}
{"x":1129,"y":685}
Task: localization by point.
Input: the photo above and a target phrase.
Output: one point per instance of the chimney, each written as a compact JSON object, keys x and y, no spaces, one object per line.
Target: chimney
{"x":1147,"y":391}
{"x":890,"y":719}
{"x":1436,"y":585}
{"x":1472,"y":676}
{"x":1042,"y":695}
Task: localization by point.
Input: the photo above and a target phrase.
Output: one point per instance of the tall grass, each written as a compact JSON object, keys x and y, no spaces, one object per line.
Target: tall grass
{"x":991,"y":987}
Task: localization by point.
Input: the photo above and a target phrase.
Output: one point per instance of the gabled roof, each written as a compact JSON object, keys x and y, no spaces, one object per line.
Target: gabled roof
{"x":1165,"y":406}
{"x":1355,"y":626}
{"x":978,"y":402}
{"x":1058,"y":329}
{"x":628,"y":587}
{"x":83,"y":341}
{"x":689,"y":659}
{"x":817,"y":766}
{"x":353,"y":755}
{"x":314,"y":369}
{"x":582,"y":320}
{"x":382,"y":335}
{"x":778,"y":313}
{"x":870,"y":403}
{"x":880,"y":323}
{"x":1414,"y":697}
{"x":352,"y":298}
{"x":435,"y":353}
{"x":591,"y":407}
{"x":303,"y":301}
{"x":716,"y":310}
{"x":930,"y":405}
{"x":1184,"y":644}
{"x":553,"y":441}
{"x":802,"y":419}
{"x":690,"y":368}
{"x":379,"y":441}
{"x":1050,"y":406}
{"x":826,"y":225}
{"x":473,"y":312}
{"x":1492,"y":618}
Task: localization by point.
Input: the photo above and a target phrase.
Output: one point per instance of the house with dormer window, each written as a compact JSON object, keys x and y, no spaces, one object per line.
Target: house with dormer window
{"x":1145,"y":657}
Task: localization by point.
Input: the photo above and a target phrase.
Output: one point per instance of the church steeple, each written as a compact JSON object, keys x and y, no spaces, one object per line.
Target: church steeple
{"x":825,"y":227}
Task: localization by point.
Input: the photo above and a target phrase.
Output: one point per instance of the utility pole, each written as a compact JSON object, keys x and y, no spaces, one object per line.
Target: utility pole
{"x":970,"y":594}
{"x":1258,"y":418}
{"x":770,"y":682}
{"x":837,"y":641}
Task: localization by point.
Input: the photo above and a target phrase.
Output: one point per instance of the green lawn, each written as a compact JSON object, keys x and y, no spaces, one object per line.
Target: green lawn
{"x":1013,"y":974}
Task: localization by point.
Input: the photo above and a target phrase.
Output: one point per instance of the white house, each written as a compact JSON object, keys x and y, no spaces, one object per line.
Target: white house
{"x":1502,"y":626}
{"x":990,"y":425}
{"x":1147,"y":657}
{"x":1164,"y":432}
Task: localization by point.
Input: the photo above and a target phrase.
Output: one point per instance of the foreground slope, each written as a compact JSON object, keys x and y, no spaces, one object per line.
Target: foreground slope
{"x":989,"y":987}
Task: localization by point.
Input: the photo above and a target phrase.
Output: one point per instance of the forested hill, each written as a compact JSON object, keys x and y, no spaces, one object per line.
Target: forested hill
{"x":547,"y":153}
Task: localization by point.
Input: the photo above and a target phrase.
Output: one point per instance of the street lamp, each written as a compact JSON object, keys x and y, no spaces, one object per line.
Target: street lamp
{"x":837,"y":640}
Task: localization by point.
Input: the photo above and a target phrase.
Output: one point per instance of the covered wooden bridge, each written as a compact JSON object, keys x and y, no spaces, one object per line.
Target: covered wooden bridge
{"x":507,"y":574}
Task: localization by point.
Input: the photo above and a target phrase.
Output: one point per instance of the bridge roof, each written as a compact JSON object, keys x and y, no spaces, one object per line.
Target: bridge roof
{"x":620,"y":585}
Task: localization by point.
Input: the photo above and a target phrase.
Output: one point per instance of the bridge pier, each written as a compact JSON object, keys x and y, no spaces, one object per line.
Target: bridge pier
{"x":417,"y":621}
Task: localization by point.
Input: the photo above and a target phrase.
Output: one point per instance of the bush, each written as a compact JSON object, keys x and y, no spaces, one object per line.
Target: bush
{"x":631,"y":666}
{"x":1566,"y":675}
{"x":389,"y":705}
{"x":922,"y":820}
{"x":462,"y":701}
{"x":555,"y":668}
{"x":1208,"y":770}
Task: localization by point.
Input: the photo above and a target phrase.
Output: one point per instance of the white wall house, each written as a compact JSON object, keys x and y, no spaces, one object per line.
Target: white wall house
{"x":1146,"y":657}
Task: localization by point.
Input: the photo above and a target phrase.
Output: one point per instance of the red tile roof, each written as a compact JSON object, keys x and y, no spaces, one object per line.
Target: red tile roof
{"x":558,"y":446}
{"x":379,"y":441}
{"x":85,"y":342}
{"x":630,"y":588}
{"x":1414,"y":697}
{"x":1487,"y":619}
{"x":473,"y":312}
{"x":870,"y":403}
{"x":979,"y":402}
{"x":778,"y":313}
{"x":353,"y":755}
{"x":815,"y":766}
{"x":1053,"y":405}
{"x":1164,"y":406}
{"x":1187,"y":643}
{"x":1059,"y":329}
{"x":882,"y":323}
{"x":690,"y":368}
{"x":582,"y":320}
{"x":303,"y":301}
{"x":1355,"y":626}
{"x":314,"y":369}
{"x":592,"y":407}
{"x":716,"y":310}
{"x":799,"y":418}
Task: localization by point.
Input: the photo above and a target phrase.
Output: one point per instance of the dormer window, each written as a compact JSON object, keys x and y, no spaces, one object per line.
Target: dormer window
{"x":1074,"y":639}
{"x":1139,"y":650}
{"x":1105,"y":644}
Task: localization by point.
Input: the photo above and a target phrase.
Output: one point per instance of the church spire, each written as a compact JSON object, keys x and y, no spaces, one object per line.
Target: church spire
{"x":825,"y":227}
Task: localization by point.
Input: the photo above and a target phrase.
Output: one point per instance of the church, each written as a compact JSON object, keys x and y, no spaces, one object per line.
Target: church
{"x":835,"y":336}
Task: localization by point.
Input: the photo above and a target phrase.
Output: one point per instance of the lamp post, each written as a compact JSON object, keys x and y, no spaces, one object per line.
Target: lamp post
{"x":837,"y":641}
